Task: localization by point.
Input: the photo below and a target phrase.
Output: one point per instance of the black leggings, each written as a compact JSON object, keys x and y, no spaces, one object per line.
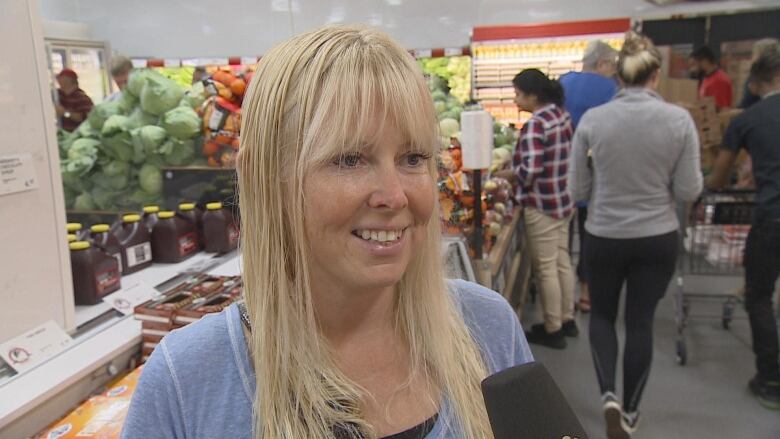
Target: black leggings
{"x":646,"y":266}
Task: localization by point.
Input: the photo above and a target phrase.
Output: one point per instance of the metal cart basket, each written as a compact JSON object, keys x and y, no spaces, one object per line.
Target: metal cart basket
{"x":713,"y":244}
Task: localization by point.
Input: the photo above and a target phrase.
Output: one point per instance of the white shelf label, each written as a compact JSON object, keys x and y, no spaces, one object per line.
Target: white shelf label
{"x":126,"y":299}
{"x":17,"y":174}
{"x":34,"y":347}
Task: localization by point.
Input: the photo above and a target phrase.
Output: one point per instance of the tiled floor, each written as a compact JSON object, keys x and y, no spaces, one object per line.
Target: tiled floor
{"x":707,"y":398}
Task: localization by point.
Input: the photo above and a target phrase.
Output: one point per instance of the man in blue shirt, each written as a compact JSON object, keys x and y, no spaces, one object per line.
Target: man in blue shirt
{"x":591,"y":87}
{"x":594,"y":85}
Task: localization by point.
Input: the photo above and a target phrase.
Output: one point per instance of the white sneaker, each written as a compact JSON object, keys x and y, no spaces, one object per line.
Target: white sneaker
{"x":613,"y":415}
{"x":629,"y":422}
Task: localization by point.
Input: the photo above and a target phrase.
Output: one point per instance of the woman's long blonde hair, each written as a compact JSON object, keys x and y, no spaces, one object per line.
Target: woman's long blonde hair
{"x":314,"y":95}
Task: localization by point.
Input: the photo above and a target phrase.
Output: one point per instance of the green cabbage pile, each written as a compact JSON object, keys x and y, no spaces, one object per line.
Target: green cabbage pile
{"x":113,"y":160}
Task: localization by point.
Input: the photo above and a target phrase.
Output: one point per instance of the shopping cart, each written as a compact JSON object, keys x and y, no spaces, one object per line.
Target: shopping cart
{"x":713,"y":245}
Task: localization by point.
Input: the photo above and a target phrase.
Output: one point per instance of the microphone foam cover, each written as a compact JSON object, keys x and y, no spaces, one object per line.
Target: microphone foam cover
{"x":524,"y":402}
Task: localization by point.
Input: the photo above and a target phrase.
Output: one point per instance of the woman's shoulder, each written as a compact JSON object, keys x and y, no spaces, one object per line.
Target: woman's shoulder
{"x":493,"y":323}
{"x":209,"y":333}
{"x":212,"y":345}
{"x":481,"y":307}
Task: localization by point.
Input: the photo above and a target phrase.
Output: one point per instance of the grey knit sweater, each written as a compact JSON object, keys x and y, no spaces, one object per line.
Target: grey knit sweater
{"x":645,"y":157}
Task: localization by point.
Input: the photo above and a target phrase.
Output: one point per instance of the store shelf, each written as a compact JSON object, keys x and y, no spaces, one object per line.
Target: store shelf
{"x":153,"y":275}
{"x":32,"y":400}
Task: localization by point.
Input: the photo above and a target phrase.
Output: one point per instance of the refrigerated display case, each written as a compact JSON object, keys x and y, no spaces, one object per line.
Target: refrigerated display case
{"x":501,"y":52}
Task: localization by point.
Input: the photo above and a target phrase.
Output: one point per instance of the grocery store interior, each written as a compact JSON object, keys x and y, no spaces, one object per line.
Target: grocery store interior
{"x":614,"y":218}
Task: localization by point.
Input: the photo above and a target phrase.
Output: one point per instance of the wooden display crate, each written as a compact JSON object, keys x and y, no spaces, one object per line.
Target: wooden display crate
{"x":507,"y":268}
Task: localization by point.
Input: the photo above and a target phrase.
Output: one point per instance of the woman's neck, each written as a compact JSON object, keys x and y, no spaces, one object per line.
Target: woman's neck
{"x":346,"y":315}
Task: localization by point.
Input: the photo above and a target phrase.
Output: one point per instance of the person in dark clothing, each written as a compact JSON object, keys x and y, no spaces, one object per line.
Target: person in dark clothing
{"x":73,"y":104}
{"x":758,"y":131}
{"x":749,"y":97}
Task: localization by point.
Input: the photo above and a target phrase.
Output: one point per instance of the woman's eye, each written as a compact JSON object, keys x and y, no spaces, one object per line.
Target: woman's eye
{"x":416,"y":159}
{"x":348,"y":160}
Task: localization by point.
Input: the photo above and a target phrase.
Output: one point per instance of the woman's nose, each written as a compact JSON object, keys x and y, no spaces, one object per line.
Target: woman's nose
{"x":389,"y":190}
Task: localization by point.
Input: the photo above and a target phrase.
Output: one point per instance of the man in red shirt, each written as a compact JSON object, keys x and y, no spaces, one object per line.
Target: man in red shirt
{"x":713,"y":80}
{"x":73,"y":104}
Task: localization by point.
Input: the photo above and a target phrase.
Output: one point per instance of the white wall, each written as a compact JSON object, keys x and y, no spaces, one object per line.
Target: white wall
{"x":66,"y":30}
{"x":204,"y":28}
{"x":35,"y":280}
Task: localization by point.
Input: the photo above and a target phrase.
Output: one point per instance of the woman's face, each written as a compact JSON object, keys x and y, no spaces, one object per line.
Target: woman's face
{"x":524,"y":101}
{"x":366,"y":213}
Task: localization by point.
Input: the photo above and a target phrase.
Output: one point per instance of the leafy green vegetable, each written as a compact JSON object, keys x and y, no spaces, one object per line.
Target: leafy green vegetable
{"x":116,"y":168}
{"x":86,"y":130}
{"x":150,"y":179}
{"x":101,"y":112}
{"x":177,"y":152}
{"x":75,"y":182}
{"x":138,"y":118}
{"x":84,"y":202}
{"x":140,"y":197}
{"x":127,"y":102}
{"x":195,"y":96}
{"x":160,"y":94}
{"x":110,"y":182}
{"x":181,"y":123}
{"x":151,"y":138}
{"x":137,"y":81}
{"x":117,"y":142}
{"x":105,"y":199}
{"x":81,"y":157}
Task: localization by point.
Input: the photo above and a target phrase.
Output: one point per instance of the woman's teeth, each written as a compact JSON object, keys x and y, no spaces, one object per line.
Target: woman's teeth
{"x":383,"y":236}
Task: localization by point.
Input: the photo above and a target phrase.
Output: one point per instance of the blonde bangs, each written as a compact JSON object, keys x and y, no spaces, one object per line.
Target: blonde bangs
{"x":373,"y":86}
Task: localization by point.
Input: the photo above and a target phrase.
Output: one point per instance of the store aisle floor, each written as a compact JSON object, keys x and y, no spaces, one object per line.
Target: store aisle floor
{"x":706,"y":398}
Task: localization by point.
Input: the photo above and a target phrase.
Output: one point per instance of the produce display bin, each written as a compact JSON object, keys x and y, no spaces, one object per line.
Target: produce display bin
{"x":199,"y":185}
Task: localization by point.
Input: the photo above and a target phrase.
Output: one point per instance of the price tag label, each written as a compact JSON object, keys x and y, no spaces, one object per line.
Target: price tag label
{"x":423,"y":53}
{"x":248,"y":60}
{"x":126,"y":299}
{"x":35,"y":346}
{"x":17,"y":174}
{"x":453,"y":52}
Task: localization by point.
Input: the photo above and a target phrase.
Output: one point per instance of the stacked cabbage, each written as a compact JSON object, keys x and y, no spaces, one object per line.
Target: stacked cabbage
{"x":113,"y":160}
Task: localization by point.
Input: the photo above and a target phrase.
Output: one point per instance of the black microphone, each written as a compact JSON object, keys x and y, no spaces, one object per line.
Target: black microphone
{"x":524,"y":402}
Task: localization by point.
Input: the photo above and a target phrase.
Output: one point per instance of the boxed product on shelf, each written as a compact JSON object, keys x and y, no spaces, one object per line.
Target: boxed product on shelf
{"x":101,"y":416}
{"x":184,"y":303}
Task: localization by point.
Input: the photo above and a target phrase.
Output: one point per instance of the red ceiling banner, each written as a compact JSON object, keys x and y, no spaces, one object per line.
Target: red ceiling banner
{"x":523,"y":31}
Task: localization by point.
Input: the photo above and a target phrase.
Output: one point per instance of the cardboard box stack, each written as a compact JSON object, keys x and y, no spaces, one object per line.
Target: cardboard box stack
{"x":182,"y":304}
{"x":708,"y":124}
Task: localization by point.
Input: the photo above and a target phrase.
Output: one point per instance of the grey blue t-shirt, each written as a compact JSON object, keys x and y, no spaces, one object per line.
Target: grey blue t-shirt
{"x":199,"y":382}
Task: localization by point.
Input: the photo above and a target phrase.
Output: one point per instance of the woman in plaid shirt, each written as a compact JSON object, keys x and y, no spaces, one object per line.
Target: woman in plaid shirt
{"x":541,"y":165}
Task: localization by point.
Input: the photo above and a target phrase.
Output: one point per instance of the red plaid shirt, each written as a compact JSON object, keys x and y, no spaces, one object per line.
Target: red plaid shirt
{"x":541,"y":162}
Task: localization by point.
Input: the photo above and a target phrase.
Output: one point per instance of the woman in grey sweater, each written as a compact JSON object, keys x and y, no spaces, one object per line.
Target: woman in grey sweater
{"x":634,"y":157}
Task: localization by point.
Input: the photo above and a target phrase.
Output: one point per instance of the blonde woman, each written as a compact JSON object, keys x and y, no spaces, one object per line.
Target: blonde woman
{"x":633,"y":158}
{"x":350,"y":329}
